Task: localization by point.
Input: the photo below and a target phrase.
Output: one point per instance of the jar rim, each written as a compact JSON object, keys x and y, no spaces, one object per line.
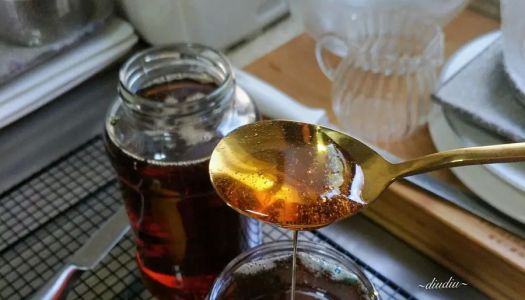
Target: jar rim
{"x":174,"y":51}
{"x":286,"y":245}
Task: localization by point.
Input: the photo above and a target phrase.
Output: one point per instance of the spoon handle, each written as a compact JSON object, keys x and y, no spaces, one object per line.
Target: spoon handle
{"x":461,"y":157}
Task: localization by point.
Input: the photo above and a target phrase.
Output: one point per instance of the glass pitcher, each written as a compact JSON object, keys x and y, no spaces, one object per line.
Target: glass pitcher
{"x":381,"y":88}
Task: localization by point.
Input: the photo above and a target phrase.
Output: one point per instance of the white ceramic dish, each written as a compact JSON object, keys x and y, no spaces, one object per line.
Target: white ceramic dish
{"x":500,"y":185}
{"x":493,"y":189}
{"x":218,"y":24}
{"x":513,"y":173}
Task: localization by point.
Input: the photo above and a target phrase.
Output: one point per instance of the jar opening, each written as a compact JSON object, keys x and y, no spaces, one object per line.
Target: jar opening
{"x":264,"y":271}
{"x":176,"y":80}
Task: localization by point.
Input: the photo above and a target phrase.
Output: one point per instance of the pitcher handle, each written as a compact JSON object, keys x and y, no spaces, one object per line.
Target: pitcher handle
{"x":326,"y":39}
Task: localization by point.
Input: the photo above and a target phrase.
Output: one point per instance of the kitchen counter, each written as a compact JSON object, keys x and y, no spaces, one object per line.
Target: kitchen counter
{"x":34,"y":141}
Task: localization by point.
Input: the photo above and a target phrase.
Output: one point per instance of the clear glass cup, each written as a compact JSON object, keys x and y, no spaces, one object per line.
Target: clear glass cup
{"x":264,"y":272}
{"x":381,"y":88}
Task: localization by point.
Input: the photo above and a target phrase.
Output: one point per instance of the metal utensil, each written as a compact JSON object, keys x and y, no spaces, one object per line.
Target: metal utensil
{"x":372,"y":174}
{"x":464,"y":199}
{"x":275,"y":104}
{"x":87,"y":257}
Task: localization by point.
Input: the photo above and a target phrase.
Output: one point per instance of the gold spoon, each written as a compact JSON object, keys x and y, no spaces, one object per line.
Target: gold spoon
{"x":304,"y":176}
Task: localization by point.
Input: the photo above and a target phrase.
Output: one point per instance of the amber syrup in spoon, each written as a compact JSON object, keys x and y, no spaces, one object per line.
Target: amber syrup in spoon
{"x":295,"y":177}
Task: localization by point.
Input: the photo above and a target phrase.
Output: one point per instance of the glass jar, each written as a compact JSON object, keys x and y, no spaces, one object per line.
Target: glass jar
{"x":175,"y":103}
{"x":265,"y":272}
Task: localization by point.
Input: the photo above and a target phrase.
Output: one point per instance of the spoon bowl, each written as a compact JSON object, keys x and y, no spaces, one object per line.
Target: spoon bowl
{"x":304,"y":176}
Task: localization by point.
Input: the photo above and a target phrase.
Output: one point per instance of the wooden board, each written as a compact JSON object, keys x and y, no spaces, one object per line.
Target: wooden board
{"x":486,"y":256}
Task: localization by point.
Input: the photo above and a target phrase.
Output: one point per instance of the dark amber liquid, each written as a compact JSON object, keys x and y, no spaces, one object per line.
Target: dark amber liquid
{"x":185,"y":234}
{"x":181,"y":90}
{"x":294,"y":177}
{"x":270,"y":280}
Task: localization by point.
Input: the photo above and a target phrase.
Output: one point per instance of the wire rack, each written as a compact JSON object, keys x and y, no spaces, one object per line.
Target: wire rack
{"x":48,"y":216}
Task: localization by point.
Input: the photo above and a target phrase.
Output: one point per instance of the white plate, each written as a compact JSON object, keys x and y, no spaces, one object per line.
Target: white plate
{"x":487,"y":185}
{"x":513,"y":173}
{"x":499,"y":185}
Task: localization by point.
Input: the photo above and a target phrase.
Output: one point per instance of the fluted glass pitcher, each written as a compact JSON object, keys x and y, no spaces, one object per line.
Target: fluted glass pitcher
{"x":381,"y":88}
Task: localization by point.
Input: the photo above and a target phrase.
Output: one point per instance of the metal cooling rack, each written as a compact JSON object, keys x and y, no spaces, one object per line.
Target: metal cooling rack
{"x":47,"y":217}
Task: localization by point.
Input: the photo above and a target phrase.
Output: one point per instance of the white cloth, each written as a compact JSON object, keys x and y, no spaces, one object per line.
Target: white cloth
{"x":513,"y":29}
{"x":483,"y":95}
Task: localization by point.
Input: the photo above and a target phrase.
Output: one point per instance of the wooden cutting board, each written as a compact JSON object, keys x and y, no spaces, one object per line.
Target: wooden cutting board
{"x":486,"y":256}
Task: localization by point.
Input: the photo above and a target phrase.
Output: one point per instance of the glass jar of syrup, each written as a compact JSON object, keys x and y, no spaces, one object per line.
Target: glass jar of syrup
{"x":175,"y":103}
